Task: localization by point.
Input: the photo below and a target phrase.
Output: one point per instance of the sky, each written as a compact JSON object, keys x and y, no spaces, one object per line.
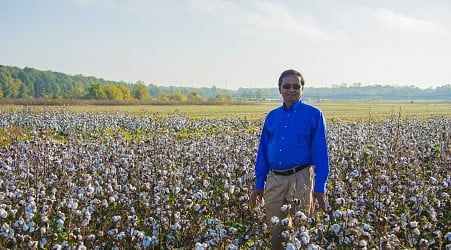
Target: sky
{"x":232,"y":43}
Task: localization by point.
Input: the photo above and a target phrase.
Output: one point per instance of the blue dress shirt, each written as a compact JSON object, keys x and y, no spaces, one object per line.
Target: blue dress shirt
{"x":291,"y":137}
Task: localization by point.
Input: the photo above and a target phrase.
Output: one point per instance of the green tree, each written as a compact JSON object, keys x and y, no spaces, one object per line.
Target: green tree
{"x":194,"y":96}
{"x":179,"y":97}
{"x":96,"y":92}
{"x":259,"y":95}
{"x":24,"y":91}
{"x":222,"y":97}
{"x":164,"y":96}
{"x":126,"y":94}
{"x":141,"y":92}
{"x":113,"y":92}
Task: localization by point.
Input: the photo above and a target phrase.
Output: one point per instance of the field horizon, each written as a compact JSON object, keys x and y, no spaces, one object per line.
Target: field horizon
{"x":364,"y":111}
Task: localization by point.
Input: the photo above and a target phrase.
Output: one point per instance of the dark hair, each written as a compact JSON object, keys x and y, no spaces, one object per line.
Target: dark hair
{"x":290,"y":72}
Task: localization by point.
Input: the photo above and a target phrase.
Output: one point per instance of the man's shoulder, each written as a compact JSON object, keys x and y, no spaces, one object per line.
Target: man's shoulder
{"x":309,"y":107}
{"x":275,"y":110}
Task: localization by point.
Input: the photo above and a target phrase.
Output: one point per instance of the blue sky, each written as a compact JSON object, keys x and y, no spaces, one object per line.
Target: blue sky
{"x":232,"y":44}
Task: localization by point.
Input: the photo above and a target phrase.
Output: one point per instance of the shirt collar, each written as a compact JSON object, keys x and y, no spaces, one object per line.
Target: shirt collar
{"x":294,"y":107}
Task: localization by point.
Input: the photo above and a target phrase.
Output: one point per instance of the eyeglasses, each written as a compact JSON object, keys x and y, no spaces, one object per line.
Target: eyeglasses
{"x":295,"y":86}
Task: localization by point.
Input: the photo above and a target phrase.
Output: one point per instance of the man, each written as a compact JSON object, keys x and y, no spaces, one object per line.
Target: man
{"x":292,"y":164}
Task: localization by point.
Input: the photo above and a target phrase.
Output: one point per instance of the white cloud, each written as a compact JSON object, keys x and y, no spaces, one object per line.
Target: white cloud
{"x":95,"y":2}
{"x":402,"y":23}
{"x":260,"y":17}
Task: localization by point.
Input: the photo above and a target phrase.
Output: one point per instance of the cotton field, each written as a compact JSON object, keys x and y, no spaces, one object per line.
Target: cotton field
{"x":113,"y":181}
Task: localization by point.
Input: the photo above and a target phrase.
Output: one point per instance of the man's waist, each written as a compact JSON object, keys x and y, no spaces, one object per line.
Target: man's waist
{"x":291,"y":170}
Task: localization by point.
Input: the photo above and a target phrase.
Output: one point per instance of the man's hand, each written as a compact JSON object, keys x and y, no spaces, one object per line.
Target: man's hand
{"x":256,"y":197}
{"x":321,"y":199}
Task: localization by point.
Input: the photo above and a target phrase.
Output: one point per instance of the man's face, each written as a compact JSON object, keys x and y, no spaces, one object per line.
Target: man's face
{"x":291,"y":89}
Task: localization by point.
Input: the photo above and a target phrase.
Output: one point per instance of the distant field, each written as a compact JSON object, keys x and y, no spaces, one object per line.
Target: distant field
{"x":347,"y":111}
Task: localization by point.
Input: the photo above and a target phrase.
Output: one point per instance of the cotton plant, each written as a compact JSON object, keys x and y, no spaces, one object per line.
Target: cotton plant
{"x":99,"y":180}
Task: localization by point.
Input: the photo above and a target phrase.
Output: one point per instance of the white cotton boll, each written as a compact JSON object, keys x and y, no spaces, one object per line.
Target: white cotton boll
{"x":337,"y":214}
{"x":138,"y":234}
{"x":347,"y":240}
{"x":424,"y":199}
{"x":321,"y":227}
{"x":232,"y":246}
{"x":13,"y":212}
{"x":301,"y":215}
{"x":336,"y":228}
{"x":423,"y":242}
{"x":90,"y":237}
{"x":232,"y":189}
{"x":340,"y":201}
{"x":363,"y":243}
{"x":285,"y":208}
{"x":85,"y":221}
{"x":284,"y":222}
{"x":57,"y":247}
{"x":313,"y":247}
{"x":445,"y":195}
{"x":382,"y":189}
{"x":3,"y":213}
{"x":116,"y":218}
{"x":226,"y":196}
{"x":28,"y":216}
{"x":223,"y":233}
{"x":275,"y":220}
{"x":59,"y":223}
{"x":404,"y":217}
{"x":19,"y":222}
{"x":132,"y":217}
{"x":197,"y":195}
{"x":433,"y":181}
{"x":146,"y":241}
{"x":32,"y":244}
{"x":353,"y":222}
{"x":212,"y":243}
{"x":413,"y":224}
{"x":448,"y":236}
{"x":113,"y":231}
{"x":365,"y":227}
{"x":200,"y":246}
{"x":17,"y":194}
{"x":285,"y":234}
{"x":120,"y":236}
{"x":416,"y":231}
{"x":233,"y":230}
{"x":176,"y":226}
{"x":305,"y":238}
{"x":291,"y":246}
{"x":43,"y":242}
{"x":25,"y":227}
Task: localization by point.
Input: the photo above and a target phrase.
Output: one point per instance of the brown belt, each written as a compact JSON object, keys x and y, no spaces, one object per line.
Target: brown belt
{"x":290,"y":171}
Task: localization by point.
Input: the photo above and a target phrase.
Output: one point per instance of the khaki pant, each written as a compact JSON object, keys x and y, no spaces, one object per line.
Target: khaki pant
{"x":281,"y":190}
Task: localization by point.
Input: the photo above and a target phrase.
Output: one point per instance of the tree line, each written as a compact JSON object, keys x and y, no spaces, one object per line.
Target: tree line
{"x":32,"y":83}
